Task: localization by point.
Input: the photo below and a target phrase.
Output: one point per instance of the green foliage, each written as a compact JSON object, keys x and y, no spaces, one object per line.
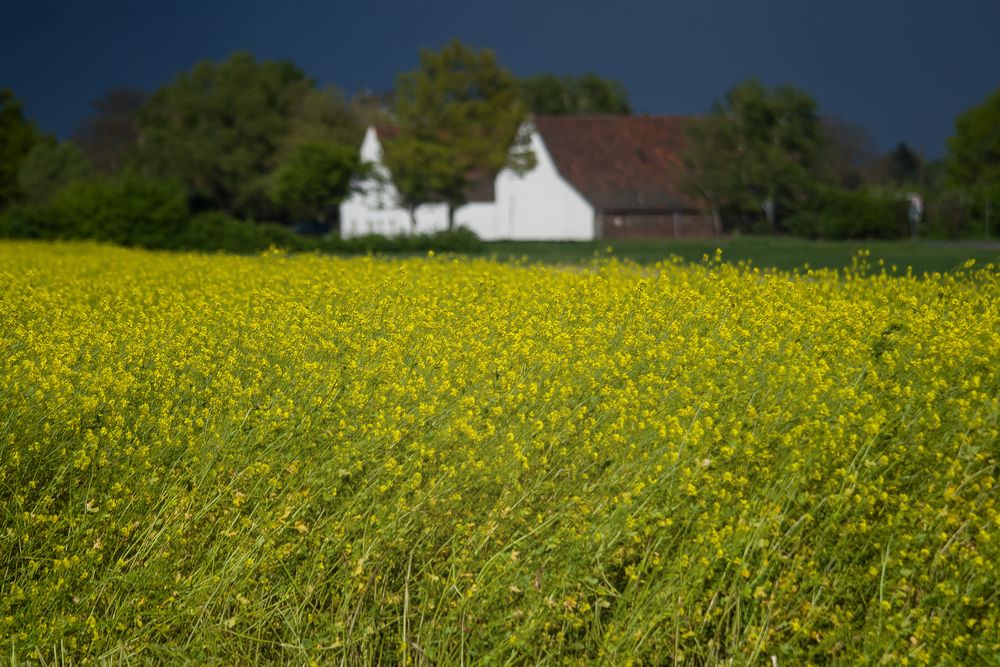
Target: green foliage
{"x":17,"y":136}
{"x":850,"y":214}
{"x":130,"y":210}
{"x":49,"y":167}
{"x":564,"y":95}
{"x":973,"y":167}
{"x":137,"y":212}
{"x":217,"y":232}
{"x":419,"y":171}
{"x":321,"y":117}
{"x":458,"y":116}
{"x":963,"y":213}
{"x":973,"y":160}
{"x":758,"y":145}
{"x":315,"y":178}
{"x":25,"y":221}
{"x":218,"y":128}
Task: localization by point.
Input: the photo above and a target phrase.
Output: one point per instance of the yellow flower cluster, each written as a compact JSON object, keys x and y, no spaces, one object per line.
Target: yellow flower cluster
{"x":435,"y":460}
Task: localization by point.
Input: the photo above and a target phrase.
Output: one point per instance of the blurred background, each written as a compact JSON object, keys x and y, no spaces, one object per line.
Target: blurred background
{"x":179,"y":124}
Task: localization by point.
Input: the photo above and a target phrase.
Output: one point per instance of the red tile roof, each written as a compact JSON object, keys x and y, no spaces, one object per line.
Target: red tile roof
{"x":620,"y":163}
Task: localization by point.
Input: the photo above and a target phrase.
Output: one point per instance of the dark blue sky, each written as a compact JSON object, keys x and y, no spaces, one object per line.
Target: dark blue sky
{"x":904,"y":69}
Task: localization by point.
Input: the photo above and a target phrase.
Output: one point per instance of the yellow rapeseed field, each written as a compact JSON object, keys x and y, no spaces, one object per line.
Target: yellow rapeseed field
{"x":305,"y":459}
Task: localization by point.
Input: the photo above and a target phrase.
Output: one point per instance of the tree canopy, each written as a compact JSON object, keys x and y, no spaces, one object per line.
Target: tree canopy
{"x":759,"y":152}
{"x":321,"y":117}
{"x":218,"y":130}
{"x":51,"y":166}
{"x":315,"y":179}
{"x":17,"y":136}
{"x":565,"y":95}
{"x":458,"y":114}
{"x":973,"y":160}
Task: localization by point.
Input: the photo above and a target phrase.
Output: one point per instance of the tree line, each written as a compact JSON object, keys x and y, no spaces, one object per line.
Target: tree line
{"x":248,"y":140}
{"x":766,"y":160}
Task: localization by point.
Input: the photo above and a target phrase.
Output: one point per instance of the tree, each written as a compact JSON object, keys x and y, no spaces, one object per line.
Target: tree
{"x":315,"y":179}
{"x":218,"y":130}
{"x":49,"y":167}
{"x":17,"y":136}
{"x":321,"y":117}
{"x":587,"y":94}
{"x":458,"y":115}
{"x":973,"y":160}
{"x":759,"y":151}
{"x":419,"y":171}
{"x":974,"y":150}
{"x":110,"y":135}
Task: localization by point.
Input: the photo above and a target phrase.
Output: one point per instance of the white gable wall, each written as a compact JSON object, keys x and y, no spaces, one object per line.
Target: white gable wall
{"x":541,"y":204}
{"x":480,"y":217}
{"x":375,"y":209}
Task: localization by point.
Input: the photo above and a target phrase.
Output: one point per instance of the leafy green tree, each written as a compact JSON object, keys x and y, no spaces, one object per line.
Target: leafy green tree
{"x":973,"y":160}
{"x":218,"y":130}
{"x":759,"y":152}
{"x":408,"y":160}
{"x":458,"y":116}
{"x":974,"y":150}
{"x":587,"y":94}
{"x":315,"y":179}
{"x":49,"y":167}
{"x":17,"y":136}
{"x":109,"y":136}
{"x":321,"y":117}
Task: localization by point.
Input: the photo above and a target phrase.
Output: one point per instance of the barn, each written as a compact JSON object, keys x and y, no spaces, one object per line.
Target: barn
{"x":596,"y":177}
{"x":601,"y":177}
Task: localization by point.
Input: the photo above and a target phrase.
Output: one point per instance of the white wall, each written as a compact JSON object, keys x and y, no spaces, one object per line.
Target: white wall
{"x":480,"y":217}
{"x":375,"y":210}
{"x":541,"y":204}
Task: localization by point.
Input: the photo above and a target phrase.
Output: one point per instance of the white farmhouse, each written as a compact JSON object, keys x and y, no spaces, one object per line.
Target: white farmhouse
{"x":596,"y":177}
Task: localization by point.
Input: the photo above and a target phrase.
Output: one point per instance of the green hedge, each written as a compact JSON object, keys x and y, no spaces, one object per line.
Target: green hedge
{"x":217,"y":232}
{"x":844,"y":214}
{"x":135,"y":211}
{"x":128,"y":211}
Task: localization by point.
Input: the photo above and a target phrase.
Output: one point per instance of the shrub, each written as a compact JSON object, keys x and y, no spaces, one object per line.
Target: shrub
{"x":844,"y":214}
{"x":49,"y":167}
{"x":28,"y":222}
{"x":130,"y":211}
{"x":217,"y":232}
{"x":134,"y":211}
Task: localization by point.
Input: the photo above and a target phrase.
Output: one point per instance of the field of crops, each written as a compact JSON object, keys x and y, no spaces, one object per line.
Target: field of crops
{"x":435,"y":461}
